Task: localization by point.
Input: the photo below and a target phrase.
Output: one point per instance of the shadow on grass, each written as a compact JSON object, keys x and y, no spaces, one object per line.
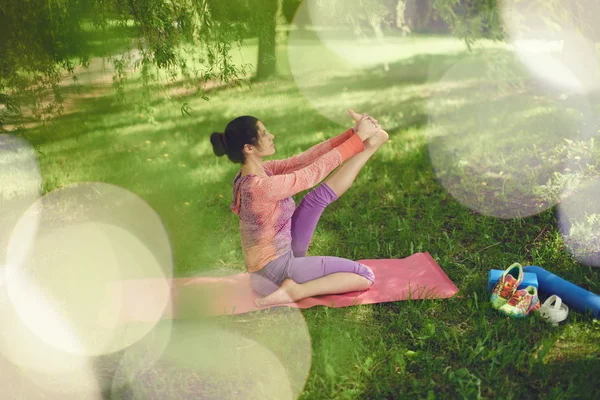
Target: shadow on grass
{"x":569,"y":378}
{"x":93,"y":115}
{"x":417,"y":70}
{"x":113,"y":39}
{"x":408,"y":72}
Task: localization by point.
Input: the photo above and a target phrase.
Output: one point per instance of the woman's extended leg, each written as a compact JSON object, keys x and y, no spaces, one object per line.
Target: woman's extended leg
{"x":306,"y":216}
{"x":314,"y":276}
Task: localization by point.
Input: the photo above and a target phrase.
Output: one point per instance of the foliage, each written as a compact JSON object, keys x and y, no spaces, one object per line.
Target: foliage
{"x":482,"y":19}
{"x":189,"y":39}
{"x":472,"y":20}
{"x":36,"y":43}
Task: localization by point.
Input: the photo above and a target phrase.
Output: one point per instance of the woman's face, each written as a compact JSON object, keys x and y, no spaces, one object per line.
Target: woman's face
{"x":265,"y":141}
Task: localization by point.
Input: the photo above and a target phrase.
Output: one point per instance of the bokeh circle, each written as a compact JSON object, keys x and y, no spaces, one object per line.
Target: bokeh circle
{"x":34,"y":369}
{"x":579,"y":219}
{"x":493,"y":131}
{"x":551,"y":43}
{"x":251,"y":356}
{"x":91,"y":237}
{"x":21,"y":186}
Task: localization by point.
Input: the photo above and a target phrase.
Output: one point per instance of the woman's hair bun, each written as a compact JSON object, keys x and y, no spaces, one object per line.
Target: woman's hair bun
{"x":218,"y":142}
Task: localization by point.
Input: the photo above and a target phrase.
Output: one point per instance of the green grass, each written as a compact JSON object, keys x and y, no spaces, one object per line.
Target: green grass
{"x":455,"y":348}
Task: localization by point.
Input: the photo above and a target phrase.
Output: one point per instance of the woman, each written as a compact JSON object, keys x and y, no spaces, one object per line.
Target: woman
{"x":275,"y":234}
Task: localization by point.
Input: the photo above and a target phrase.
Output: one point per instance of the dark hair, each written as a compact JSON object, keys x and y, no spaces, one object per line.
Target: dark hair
{"x":238,"y":133}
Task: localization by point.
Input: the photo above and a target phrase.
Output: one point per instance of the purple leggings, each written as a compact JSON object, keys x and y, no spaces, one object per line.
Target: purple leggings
{"x":294,"y":264}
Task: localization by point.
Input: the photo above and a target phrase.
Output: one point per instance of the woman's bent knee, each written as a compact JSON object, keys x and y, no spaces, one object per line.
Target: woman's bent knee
{"x":366,"y":272}
{"x":364,"y":284}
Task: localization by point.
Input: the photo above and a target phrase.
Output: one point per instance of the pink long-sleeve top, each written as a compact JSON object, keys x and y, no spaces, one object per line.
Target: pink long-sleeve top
{"x":265,"y":206}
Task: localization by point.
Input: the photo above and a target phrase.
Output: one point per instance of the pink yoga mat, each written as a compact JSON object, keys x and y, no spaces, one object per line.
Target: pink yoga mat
{"x":414,"y":277}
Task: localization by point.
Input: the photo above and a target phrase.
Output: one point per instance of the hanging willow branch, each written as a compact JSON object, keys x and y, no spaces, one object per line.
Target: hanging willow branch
{"x":41,"y":41}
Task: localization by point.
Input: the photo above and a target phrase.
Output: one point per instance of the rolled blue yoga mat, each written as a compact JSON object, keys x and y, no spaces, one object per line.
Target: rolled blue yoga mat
{"x":571,"y":294}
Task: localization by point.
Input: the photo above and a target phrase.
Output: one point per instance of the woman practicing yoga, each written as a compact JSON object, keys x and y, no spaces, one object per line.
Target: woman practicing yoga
{"x":275,"y":234}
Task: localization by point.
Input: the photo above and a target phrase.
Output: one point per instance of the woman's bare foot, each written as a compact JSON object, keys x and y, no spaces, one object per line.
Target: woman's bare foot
{"x":285,"y":294}
{"x":377,"y":140}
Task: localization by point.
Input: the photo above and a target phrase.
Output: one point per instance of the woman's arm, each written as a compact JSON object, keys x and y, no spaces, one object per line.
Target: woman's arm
{"x":289,"y":165}
{"x":279,"y":187}
{"x":363,"y":128}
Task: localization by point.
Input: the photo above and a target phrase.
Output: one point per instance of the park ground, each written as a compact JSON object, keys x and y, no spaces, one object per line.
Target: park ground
{"x":453,"y":348}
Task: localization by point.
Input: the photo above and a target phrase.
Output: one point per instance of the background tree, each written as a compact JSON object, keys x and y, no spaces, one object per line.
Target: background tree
{"x":292,"y":12}
{"x":258,"y":18}
{"x":267,"y":35}
{"x":188,"y":39}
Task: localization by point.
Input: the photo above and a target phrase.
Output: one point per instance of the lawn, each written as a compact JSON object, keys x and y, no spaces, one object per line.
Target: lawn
{"x":455,"y":348}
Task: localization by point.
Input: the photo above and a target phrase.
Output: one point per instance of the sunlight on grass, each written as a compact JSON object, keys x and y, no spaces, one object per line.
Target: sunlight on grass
{"x":210,"y":174}
{"x":508,"y":127}
{"x":574,"y":343}
{"x":19,"y":172}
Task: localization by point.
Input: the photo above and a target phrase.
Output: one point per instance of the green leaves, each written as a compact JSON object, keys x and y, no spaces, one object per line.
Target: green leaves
{"x":473,"y":20}
{"x":185,"y":109}
{"x":38,"y":44}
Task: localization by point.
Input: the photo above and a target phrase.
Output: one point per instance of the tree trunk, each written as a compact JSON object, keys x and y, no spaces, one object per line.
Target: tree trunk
{"x":267,"y":56}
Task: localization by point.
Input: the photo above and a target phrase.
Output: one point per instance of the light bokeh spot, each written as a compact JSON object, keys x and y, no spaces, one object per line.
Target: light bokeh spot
{"x":549,"y":43}
{"x":352,"y":29}
{"x":20,"y":187}
{"x":90,"y":236}
{"x":376,"y":70}
{"x":34,"y":369}
{"x":252,"y":356}
{"x":579,"y":219}
{"x":493,"y":134}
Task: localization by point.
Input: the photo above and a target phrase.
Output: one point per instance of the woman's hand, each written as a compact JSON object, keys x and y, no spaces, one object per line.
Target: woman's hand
{"x":366,"y":126}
